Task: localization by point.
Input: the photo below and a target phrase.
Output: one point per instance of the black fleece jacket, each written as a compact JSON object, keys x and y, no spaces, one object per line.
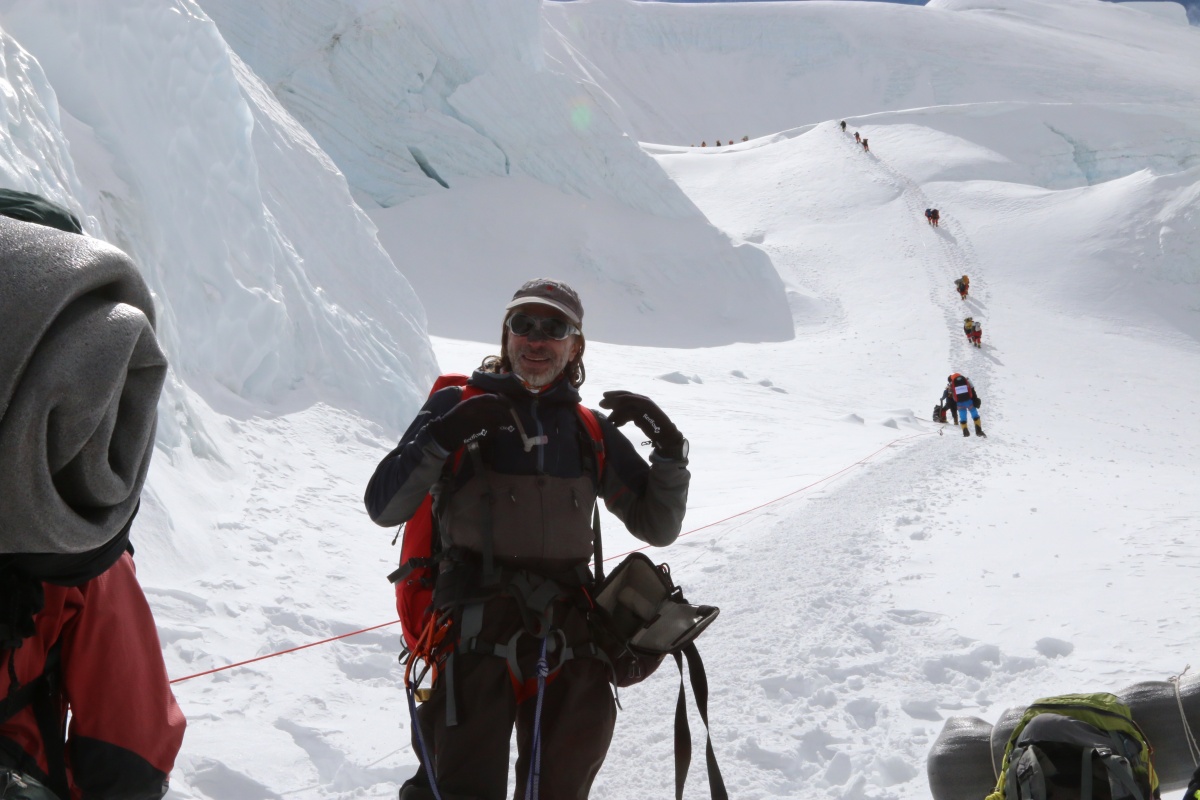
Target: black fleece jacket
{"x":649,"y":498}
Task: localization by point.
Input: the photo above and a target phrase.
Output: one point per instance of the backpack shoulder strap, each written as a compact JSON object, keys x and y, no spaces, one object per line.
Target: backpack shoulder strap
{"x":592,"y":427}
{"x":18,"y":696}
{"x":448,"y":379}
{"x":42,"y":694}
{"x":591,"y":424}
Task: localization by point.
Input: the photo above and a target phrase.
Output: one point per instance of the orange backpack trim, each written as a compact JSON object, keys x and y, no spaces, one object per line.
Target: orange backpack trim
{"x":418,"y":569}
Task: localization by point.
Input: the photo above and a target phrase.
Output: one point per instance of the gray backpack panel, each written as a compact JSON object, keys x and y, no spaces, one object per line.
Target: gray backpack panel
{"x":1060,"y":758}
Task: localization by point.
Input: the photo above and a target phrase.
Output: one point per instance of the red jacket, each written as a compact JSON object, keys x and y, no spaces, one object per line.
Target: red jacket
{"x":126,"y":727}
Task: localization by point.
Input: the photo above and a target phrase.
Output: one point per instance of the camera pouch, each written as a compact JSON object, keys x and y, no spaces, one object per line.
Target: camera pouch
{"x":640,"y":616}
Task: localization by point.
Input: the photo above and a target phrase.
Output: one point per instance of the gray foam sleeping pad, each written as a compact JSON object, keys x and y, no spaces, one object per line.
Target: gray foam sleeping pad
{"x":80,"y":376}
{"x":1156,"y":712}
{"x":1001,"y":731}
{"x":959,"y":763}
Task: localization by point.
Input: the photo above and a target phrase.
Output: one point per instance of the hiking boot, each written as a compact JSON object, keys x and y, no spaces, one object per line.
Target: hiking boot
{"x":965,"y":431}
{"x":979,"y":431}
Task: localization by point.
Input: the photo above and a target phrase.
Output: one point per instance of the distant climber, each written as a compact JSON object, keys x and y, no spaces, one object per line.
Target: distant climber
{"x":868,"y":149}
{"x":857,"y":138}
{"x":974,"y":331}
{"x":963,"y":285}
{"x":929,"y":215}
{"x":718,"y":142}
{"x":967,"y":401}
{"x":843,"y":126}
{"x":934,"y":217}
{"x":704,"y":144}
{"x":745,"y":138}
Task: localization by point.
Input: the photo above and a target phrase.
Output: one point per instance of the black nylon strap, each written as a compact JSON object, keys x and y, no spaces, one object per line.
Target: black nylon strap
{"x":18,"y":696}
{"x":451,"y":695}
{"x":1085,"y":774}
{"x":597,"y":546}
{"x":52,"y":724}
{"x":42,"y":696}
{"x":683,"y":734}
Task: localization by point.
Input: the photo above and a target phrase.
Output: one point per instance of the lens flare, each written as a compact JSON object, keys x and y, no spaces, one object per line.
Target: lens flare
{"x":581,"y":115}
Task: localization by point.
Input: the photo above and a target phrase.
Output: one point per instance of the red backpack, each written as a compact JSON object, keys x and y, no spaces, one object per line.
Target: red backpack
{"x":418,"y":566}
{"x":961,"y":389}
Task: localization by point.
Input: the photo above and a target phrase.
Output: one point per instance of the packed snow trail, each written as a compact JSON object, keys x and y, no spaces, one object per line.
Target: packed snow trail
{"x":856,"y":687}
{"x":850,"y":689}
{"x":951,"y":257}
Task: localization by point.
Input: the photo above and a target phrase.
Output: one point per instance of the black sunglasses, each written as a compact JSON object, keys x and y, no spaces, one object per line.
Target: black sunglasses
{"x":550,"y":327}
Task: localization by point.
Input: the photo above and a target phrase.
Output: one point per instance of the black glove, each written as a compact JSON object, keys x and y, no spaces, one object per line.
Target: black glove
{"x":470,"y":419}
{"x":978,"y":403}
{"x":641,"y":411}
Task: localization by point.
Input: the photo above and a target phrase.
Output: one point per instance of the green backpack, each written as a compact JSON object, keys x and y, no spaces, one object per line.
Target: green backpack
{"x":1078,"y":746}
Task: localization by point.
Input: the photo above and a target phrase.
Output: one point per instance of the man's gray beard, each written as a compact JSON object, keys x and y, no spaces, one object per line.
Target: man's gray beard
{"x":536,"y":387}
{"x":514,"y":359}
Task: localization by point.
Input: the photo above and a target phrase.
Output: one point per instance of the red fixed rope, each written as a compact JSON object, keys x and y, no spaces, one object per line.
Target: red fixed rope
{"x":283,"y":652}
{"x":861,"y":461}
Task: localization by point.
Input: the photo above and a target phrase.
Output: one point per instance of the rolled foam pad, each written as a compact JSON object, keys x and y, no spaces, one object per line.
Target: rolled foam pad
{"x":959,"y":763}
{"x":1156,"y":711}
{"x":80,"y":376}
{"x":1001,"y":731}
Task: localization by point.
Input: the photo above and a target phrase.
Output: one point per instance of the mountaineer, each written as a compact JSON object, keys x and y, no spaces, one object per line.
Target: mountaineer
{"x":513,"y":461}
{"x":967,"y":402}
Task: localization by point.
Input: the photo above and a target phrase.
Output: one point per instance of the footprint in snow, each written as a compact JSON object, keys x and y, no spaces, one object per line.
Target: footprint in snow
{"x":679,"y":377}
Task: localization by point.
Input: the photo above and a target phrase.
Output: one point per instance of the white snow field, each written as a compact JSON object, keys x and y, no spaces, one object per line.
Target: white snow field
{"x":333,"y":199}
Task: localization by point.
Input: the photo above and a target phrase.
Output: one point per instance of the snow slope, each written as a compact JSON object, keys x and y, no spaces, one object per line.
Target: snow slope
{"x":454,"y":107}
{"x":874,"y":575}
{"x":730,"y":70}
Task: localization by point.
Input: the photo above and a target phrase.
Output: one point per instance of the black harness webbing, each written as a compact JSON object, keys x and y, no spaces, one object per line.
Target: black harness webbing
{"x":42,"y":695}
{"x":597,"y":547}
{"x":534,"y":603}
